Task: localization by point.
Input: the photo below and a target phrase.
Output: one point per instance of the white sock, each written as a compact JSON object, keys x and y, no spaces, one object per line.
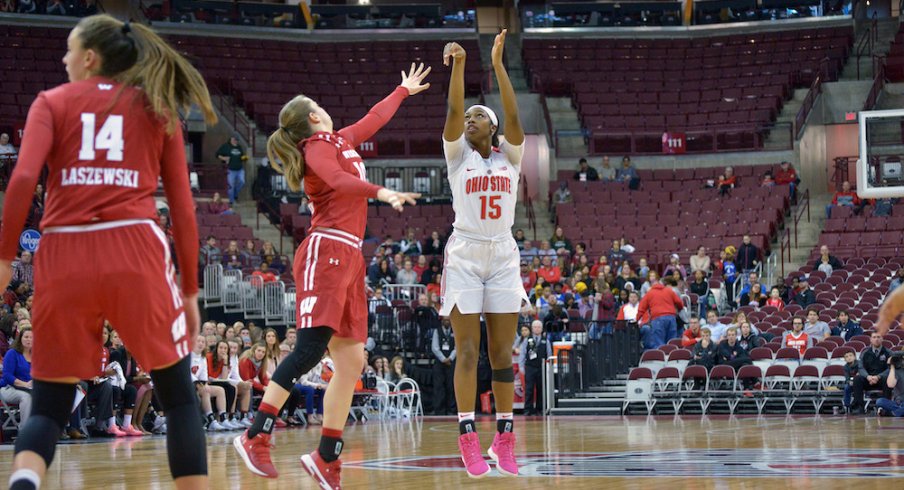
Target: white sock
{"x":462,"y":416}
{"x":126,"y":420}
{"x":111,"y":422}
{"x":25,"y":474}
{"x":505,"y":416}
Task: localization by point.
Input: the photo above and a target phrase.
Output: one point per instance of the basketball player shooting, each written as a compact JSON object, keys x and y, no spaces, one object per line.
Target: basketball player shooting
{"x":481,"y":273}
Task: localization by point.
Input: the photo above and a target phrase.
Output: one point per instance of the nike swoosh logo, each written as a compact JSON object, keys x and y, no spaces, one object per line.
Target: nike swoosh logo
{"x":468,"y":169}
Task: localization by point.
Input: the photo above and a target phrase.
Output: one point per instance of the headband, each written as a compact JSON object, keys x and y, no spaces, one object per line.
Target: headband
{"x":490,"y":113}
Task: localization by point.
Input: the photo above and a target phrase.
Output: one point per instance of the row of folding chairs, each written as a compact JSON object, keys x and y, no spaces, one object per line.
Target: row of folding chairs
{"x":749,"y":385}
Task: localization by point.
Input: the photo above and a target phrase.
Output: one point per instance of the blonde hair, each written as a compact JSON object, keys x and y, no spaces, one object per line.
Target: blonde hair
{"x":134,"y":55}
{"x":282,"y":146}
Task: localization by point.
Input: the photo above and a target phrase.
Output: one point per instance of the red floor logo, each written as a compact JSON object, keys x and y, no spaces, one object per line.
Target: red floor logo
{"x":741,"y":463}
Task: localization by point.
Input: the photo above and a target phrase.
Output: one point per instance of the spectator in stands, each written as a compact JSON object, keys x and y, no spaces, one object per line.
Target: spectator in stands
{"x":874,"y":371}
{"x":628,"y":310}
{"x":56,"y":7}
{"x":209,"y":252}
{"x":528,"y":276}
{"x":546,"y":250}
{"x":705,"y":351}
{"x":627,"y":173}
{"x":443,"y":348}
{"x":729,"y":272}
{"x":233,"y":155}
{"x":752,"y":278}
{"x":550,"y":272}
{"x":27,"y":6}
{"x":775,"y":299}
{"x":754,"y":297}
{"x":383,"y":275}
{"x":562,"y":194}
{"x":429,"y":275}
{"x":852,"y":369}
{"x":748,"y":338}
{"x":420,"y":267}
{"x":797,"y":338}
{"x":232,"y":256}
{"x":521,"y":338}
{"x":559,"y":243}
{"x":786,"y":175}
{"x":397,"y":369}
{"x":519,"y":238}
{"x":312,"y":385}
{"x":748,"y":255}
{"x":23,"y":270}
{"x":218,"y":206}
{"x":700,"y":287}
{"x":529,"y":251}
{"x":731,"y":352}
{"x":716,"y":328}
{"x":643,"y":270}
{"x":249,"y":253}
{"x":805,"y":296}
{"x":604,"y":313}
{"x":265,"y":273}
{"x":897,"y":281}
{"x":16,"y":382}
{"x":555,"y":323}
{"x":674,"y":265}
{"x":410,"y":245}
{"x":768,"y":180}
{"x":221,"y":372}
{"x":692,"y":333}
{"x":846,"y":327}
{"x":272,"y":258}
{"x":625,"y":277}
{"x":291,"y":337}
{"x":271,"y":342}
{"x":700,"y":261}
{"x":407,"y":274}
{"x":253,"y":367}
{"x":845,"y":197}
{"x":825,"y":260}
{"x":789,"y":294}
{"x":7,"y":150}
{"x":530,"y":361}
{"x":727,"y":181}
{"x":895,"y":383}
{"x":616,"y":256}
{"x":585,"y":172}
{"x":660,"y":307}
{"x":607,"y":173}
{"x":434,"y":245}
{"x":205,"y":391}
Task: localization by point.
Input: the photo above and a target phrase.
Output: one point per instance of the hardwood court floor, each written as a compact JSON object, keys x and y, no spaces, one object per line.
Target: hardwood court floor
{"x":710,"y":452}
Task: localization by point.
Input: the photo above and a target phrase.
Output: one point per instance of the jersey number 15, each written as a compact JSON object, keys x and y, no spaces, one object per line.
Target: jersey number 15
{"x":489,"y":207}
{"x":109,"y":138}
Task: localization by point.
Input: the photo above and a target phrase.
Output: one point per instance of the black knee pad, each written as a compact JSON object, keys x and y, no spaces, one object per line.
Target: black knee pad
{"x":504,"y":375}
{"x":185,"y":441}
{"x":51,"y":405}
{"x":310,"y":344}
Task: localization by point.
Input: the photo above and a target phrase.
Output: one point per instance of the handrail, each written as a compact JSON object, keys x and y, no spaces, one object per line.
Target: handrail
{"x":785,"y":243}
{"x":803,"y":201}
{"x":239,"y":122}
{"x":878,"y":83}
{"x":529,"y":208}
{"x":867,"y":41}
{"x":537,"y":85}
{"x":810,"y":99}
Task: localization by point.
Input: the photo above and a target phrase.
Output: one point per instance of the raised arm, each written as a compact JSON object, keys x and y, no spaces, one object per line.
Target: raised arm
{"x":455,"y":115}
{"x":382,"y":112}
{"x":514,"y":133}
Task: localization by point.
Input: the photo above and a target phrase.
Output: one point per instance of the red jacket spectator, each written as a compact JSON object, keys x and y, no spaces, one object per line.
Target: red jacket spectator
{"x":688,"y":339}
{"x":785,"y":176}
{"x":659,"y":301}
{"x":551,"y":274}
{"x":267,"y":276}
{"x":850,"y":194}
{"x":249,"y":372}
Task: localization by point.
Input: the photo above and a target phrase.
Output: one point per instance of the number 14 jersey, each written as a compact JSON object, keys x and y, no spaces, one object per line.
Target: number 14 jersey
{"x":484,"y":190}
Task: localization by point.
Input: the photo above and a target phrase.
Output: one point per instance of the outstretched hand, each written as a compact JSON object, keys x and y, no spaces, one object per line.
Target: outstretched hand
{"x":498,"y":48}
{"x":413,"y":80}
{"x":890,"y":311}
{"x":397,"y":199}
{"x":452,"y":50}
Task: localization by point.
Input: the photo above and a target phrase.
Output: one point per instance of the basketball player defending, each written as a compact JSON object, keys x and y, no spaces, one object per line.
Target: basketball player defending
{"x":106,"y":137}
{"x":481,"y":271}
{"x":331,"y":308}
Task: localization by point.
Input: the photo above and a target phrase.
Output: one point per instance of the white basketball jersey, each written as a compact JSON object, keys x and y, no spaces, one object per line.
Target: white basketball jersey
{"x":484,"y":190}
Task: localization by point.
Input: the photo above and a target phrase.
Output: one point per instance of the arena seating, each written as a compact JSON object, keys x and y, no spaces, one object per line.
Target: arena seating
{"x":672,"y":212}
{"x":721,"y":90}
{"x":863,"y":235}
{"x":30,"y":60}
{"x":894,"y":68}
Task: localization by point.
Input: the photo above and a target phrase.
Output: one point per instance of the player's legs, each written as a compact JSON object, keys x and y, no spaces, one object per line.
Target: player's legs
{"x":501,"y":328}
{"x":466,"y":328}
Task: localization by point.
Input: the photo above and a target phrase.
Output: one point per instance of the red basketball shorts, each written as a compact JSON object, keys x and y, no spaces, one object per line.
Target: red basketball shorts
{"x":118,"y":271}
{"x":329,"y":283}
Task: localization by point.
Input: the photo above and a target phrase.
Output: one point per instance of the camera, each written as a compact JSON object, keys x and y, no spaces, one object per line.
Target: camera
{"x":897,"y":359}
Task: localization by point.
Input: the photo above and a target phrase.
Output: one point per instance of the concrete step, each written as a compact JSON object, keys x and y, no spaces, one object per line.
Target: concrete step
{"x":587,"y":411}
{"x":601,"y":396}
{"x":590,"y":403}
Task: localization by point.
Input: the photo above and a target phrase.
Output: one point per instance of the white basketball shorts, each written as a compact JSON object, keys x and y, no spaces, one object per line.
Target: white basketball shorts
{"x":481,"y":275}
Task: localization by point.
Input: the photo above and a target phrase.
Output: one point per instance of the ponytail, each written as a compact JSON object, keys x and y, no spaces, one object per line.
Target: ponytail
{"x":136,"y":56}
{"x":282,"y":146}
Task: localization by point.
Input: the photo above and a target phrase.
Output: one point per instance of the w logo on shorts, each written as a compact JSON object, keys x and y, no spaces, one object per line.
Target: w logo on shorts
{"x":305,"y":309}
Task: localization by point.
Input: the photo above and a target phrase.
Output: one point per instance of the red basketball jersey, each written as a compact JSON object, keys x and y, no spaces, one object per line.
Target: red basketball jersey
{"x":105,"y":152}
